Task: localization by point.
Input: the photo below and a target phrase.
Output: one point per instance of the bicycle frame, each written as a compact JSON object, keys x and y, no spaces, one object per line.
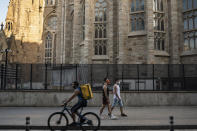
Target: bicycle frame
{"x":69,"y":112}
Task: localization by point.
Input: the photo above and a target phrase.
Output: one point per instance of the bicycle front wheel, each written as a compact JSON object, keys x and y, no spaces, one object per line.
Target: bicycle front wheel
{"x":57,"y":119}
{"x":90,"y":121}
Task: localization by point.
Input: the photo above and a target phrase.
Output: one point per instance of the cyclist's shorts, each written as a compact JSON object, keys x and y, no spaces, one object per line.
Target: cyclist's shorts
{"x":77,"y":106}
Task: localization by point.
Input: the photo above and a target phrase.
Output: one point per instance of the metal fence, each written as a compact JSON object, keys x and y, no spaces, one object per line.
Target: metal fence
{"x":133,"y":77}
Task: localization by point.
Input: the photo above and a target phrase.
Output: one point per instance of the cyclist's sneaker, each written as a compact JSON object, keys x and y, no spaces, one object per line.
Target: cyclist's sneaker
{"x":73,"y":124}
{"x":82,"y":120}
{"x":123,"y":115}
{"x":112,"y":117}
{"x":89,"y":122}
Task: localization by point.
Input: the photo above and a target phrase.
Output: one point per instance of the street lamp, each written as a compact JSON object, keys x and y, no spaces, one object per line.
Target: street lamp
{"x":6,"y":63}
{"x":2,"y":26}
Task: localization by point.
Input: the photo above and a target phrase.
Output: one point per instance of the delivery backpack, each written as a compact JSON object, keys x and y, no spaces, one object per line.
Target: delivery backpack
{"x":86,"y":91}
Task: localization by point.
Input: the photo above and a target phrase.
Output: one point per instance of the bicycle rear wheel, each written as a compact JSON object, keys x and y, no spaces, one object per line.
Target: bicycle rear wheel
{"x":90,"y":121}
{"x":57,"y":119}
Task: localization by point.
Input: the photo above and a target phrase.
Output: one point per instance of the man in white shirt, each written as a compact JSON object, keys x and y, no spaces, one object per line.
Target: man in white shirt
{"x":117,"y":98}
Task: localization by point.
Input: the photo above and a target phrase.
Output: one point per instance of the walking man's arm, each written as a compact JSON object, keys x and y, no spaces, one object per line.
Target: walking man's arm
{"x":115,"y":91}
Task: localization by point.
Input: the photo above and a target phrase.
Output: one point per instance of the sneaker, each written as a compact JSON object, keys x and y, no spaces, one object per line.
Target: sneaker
{"x":112,"y":117}
{"x":123,"y":115}
{"x":73,"y":124}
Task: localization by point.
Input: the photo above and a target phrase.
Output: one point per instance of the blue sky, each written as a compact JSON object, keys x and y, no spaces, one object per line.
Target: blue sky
{"x":3,"y":10}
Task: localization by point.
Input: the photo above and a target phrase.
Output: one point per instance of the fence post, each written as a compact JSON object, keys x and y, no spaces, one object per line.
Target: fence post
{"x":61,"y":77}
{"x":138,"y":77}
{"x":76,"y":73}
{"x":122,"y":76}
{"x":169,"y":82}
{"x":45,"y":77}
{"x":183,"y":66}
{"x":27,"y":123}
{"x":2,"y":72}
{"x":91,"y":74}
{"x":31,"y":77}
{"x":5,"y":75}
{"x":153,"y":77}
{"x":171,"y":123}
{"x":16,"y":77}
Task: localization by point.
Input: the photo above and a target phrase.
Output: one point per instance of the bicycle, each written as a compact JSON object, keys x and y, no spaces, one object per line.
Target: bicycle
{"x":89,"y":119}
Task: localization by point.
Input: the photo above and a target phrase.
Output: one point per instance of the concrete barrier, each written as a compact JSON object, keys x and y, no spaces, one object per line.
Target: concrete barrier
{"x":51,"y":98}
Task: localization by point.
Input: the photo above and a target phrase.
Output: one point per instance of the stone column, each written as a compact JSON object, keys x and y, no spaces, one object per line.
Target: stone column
{"x":123,"y":30}
{"x":150,"y":32}
{"x":115,"y":30}
{"x":174,"y":45}
{"x":76,"y":31}
{"x":88,"y":42}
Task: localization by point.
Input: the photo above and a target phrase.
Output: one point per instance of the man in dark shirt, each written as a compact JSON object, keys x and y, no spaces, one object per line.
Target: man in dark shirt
{"x":106,"y":101}
{"x":81,"y":101}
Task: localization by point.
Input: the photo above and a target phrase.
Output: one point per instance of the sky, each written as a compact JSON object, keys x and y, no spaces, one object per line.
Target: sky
{"x":3,"y":10}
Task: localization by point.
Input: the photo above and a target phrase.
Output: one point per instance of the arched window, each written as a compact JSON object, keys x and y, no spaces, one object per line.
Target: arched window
{"x":50,"y":2}
{"x":100,"y":28}
{"x":83,"y":20}
{"x":52,"y":22}
{"x":137,"y":15}
{"x":48,"y":48}
{"x":159,"y":25}
{"x":190,"y":24}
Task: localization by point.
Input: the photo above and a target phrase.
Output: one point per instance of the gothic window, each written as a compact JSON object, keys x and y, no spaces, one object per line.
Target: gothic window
{"x":52,"y":23}
{"x":137,"y":15}
{"x":48,"y":48}
{"x":101,"y":27}
{"x":9,"y":26}
{"x":159,"y":24}
{"x":50,"y":2}
{"x":190,"y":24}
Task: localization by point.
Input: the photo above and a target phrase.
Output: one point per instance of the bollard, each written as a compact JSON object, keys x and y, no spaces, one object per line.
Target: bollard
{"x":171,"y":123}
{"x":27,"y":123}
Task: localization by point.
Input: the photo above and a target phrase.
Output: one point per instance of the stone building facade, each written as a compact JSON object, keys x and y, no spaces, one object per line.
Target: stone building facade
{"x":103,"y":31}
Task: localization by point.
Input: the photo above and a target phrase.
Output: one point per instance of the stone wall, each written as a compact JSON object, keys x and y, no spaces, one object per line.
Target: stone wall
{"x":124,"y":47}
{"x":47,"y":98}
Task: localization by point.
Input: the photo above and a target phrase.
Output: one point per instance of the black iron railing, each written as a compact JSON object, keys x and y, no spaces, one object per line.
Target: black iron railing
{"x":133,"y":77}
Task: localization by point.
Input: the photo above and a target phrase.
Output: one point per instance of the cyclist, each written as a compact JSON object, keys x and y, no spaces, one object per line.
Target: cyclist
{"x":81,"y":101}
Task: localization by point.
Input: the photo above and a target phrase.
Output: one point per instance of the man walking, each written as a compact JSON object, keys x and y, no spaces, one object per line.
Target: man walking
{"x":117,"y":98}
{"x":106,"y":101}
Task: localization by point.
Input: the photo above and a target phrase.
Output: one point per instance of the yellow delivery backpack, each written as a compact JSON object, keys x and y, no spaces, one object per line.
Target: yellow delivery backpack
{"x":86,"y":91}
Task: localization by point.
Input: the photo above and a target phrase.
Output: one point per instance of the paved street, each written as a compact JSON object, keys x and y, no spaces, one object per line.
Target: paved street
{"x":136,"y":115}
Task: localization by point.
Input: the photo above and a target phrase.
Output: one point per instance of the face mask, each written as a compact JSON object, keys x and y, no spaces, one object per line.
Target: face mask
{"x":118,"y":83}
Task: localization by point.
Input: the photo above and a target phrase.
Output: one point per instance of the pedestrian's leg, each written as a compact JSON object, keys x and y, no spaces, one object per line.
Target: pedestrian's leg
{"x":121,"y":110}
{"x":102,"y":108}
{"x":113,"y":105}
{"x":112,"y":109}
{"x":109,"y":109}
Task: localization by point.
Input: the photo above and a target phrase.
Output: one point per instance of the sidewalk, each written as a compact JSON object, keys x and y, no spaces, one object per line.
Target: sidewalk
{"x":136,"y":115}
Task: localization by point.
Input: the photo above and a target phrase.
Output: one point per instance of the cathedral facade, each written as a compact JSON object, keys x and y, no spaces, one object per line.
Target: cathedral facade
{"x":103,"y":31}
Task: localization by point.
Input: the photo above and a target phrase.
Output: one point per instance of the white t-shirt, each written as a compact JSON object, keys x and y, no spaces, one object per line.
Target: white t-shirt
{"x":118,"y":91}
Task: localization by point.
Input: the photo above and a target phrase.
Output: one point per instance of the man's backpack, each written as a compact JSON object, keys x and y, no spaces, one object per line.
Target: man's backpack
{"x":86,"y":91}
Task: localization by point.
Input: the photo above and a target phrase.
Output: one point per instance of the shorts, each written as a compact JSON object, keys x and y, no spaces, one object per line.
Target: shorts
{"x":105,"y":102}
{"x":117,"y":101}
{"x":79,"y":105}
